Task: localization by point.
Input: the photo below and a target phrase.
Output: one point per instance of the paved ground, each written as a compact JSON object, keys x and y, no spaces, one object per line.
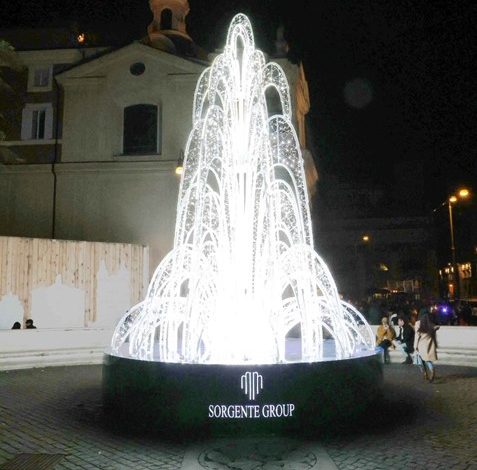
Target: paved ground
{"x":58,"y":411}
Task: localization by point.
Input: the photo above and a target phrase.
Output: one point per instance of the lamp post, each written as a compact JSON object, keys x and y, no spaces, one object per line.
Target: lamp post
{"x":360,"y":259}
{"x":451,"y":201}
{"x":462,"y":193}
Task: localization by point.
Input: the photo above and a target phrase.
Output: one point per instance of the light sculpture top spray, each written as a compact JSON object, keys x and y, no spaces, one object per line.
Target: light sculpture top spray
{"x":243,"y":271}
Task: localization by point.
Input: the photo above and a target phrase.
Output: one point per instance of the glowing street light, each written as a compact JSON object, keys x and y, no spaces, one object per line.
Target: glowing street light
{"x":180,"y":164}
{"x":365,"y":238}
{"x":462,"y":193}
{"x":179,"y":169}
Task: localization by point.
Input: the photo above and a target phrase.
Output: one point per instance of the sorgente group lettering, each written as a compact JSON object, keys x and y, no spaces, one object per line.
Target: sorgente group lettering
{"x":252,"y":411}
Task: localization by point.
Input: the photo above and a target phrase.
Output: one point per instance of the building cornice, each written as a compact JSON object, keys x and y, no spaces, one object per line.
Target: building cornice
{"x":129,"y":167}
{"x":29,"y":142}
{"x":56,"y":56}
{"x":126,"y":167}
{"x":17,"y":169}
{"x":101,"y":64}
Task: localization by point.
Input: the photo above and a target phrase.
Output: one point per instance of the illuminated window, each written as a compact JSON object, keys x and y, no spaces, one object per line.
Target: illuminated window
{"x":140,"y":131}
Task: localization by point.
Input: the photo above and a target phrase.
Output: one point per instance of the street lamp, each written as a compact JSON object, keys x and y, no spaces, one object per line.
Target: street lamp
{"x":360,"y":263}
{"x":462,"y":193}
{"x":363,"y":240}
{"x":180,"y":164}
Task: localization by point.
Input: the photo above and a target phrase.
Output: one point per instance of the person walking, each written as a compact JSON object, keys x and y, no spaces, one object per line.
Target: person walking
{"x":425,"y":345}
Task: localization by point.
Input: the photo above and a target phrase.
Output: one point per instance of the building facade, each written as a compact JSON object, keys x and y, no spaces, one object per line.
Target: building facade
{"x":97,"y":134}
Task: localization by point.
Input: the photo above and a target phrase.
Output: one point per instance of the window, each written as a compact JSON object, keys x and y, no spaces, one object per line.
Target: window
{"x":42,"y":77}
{"x":38,"y":124}
{"x":138,"y":68}
{"x":37,"y":121}
{"x":274,"y":104}
{"x":39,"y":78}
{"x":166,"y":19}
{"x":140,"y":130}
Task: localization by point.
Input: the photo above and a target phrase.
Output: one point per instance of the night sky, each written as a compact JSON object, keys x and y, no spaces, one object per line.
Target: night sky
{"x":390,"y":81}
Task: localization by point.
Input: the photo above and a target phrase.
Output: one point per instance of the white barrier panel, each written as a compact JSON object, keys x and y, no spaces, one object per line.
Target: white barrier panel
{"x":69,"y":284}
{"x":457,"y":345}
{"x":23,"y":349}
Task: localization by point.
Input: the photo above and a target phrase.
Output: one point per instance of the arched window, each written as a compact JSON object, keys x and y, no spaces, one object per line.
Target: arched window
{"x":166,"y":19}
{"x":140,"y":131}
{"x":274,"y":104}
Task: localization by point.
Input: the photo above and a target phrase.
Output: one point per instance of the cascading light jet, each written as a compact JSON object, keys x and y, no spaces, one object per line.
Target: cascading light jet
{"x":243,"y":272}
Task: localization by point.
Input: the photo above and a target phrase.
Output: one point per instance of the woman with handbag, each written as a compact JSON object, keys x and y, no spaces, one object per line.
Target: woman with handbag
{"x":425,"y":345}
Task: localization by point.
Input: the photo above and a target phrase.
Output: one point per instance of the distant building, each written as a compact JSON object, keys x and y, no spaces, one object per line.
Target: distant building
{"x":463,"y":286}
{"x":95,"y":133}
{"x":369,"y":246}
{"x":31,"y":109}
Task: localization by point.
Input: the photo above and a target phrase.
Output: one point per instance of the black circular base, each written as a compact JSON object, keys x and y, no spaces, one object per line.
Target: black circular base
{"x":202,"y":399}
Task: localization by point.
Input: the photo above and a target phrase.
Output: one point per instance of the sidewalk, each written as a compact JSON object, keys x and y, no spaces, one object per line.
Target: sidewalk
{"x":57,"y":411}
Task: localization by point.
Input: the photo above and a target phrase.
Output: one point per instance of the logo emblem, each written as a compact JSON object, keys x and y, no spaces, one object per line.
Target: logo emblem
{"x":251,"y":383}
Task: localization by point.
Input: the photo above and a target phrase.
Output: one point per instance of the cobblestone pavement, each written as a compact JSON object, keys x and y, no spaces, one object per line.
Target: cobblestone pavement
{"x":58,"y":411}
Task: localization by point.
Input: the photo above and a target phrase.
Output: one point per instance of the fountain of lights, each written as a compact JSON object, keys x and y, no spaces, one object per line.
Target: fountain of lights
{"x":242,"y":326}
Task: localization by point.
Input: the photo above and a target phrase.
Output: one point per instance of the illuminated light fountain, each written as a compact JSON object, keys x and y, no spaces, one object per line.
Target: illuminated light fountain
{"x":243,"y":297}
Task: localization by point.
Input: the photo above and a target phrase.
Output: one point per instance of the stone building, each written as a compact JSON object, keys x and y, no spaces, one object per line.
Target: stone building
{"x":95,"y":134}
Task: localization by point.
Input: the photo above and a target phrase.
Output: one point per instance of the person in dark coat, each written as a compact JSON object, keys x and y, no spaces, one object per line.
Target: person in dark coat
{"x":404,"y":339}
